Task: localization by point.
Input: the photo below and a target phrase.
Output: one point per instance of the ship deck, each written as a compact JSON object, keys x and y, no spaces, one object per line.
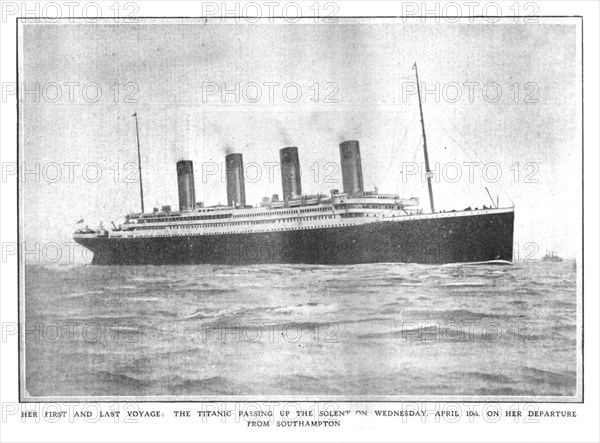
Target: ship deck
{"x":293,"y":220}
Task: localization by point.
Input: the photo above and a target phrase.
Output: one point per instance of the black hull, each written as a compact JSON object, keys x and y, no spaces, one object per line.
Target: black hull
{"x":459,"y":239}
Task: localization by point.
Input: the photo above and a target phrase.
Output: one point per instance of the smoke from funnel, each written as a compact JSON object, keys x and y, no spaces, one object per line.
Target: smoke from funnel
{"x":351,"y":129}
{"x":284,"y":135}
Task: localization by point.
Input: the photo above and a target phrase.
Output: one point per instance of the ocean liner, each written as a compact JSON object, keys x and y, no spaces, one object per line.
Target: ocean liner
{"x":342,"y":227}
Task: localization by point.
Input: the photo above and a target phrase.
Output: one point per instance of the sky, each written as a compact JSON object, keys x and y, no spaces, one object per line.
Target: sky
{"x":504,"y":96}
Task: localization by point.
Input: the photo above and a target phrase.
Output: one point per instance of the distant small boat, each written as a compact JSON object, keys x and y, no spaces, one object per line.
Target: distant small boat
{"x":552,"y":257}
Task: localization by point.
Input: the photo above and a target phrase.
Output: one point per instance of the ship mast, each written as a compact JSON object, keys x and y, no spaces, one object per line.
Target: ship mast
{"x":137,"y":133}
{"x":427,"y":170}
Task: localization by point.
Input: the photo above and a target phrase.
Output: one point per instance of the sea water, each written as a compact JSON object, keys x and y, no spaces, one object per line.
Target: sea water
{"x":361,"y":331}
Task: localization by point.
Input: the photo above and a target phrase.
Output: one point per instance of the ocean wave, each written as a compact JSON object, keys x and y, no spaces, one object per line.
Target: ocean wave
{"x":483,"y":263}
{"x":560,"y":381}
{"x":466,"y":284}
{"x":60,"y":267}
{"x":405,"y":333}
{"x":486,"y":377}
{"x":506,"y":391}
{"x":142,"y":299}
{"x":82,"y":294}
{"x":458,"y":314}
{"x":226,"y":312}
{"x":198,"y":314}
{"x":122,"y":380}
{"x":101,"y":319}
{"x":308,"y":308}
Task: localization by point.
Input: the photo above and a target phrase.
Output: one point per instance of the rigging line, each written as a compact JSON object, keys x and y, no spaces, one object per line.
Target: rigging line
{"x":457,"y":144}
{"x":416,"y":149}
{"x":396,"y":151}
{"x":479,"y":158}
{"x":473,"y":151}
{"x":393,"y":150}
{"x":410,"y":124}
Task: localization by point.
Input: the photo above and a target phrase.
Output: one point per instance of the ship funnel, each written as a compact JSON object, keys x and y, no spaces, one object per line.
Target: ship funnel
{"x":290,"y":172}
{"x":185,"y":182}
{"x":351,"y":167}
{"x":236,"y":189}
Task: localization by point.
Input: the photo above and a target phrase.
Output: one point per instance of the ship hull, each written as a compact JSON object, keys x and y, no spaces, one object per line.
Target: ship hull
{"x":460,"y":239}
